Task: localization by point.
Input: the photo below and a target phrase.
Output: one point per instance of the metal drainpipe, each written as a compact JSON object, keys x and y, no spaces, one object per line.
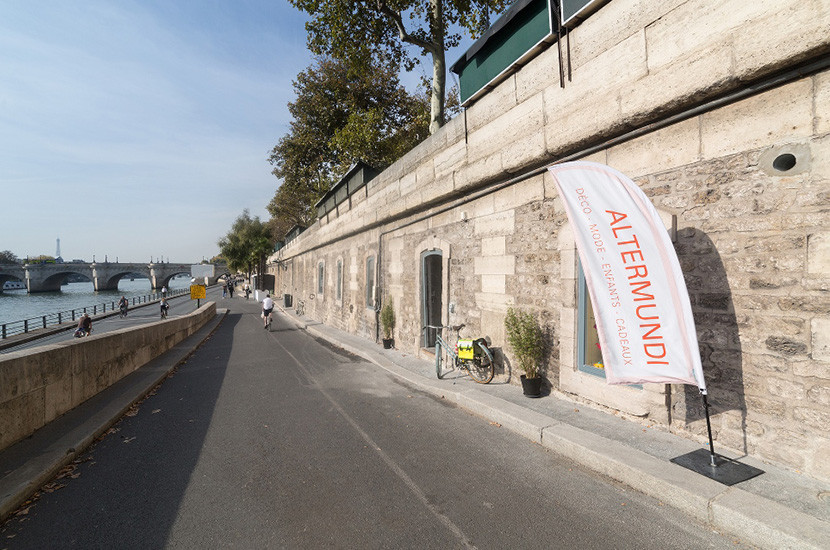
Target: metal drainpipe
{"x":731,"y":97}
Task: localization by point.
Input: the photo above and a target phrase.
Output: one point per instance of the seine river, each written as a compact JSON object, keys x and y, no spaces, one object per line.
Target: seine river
{"x":16,"y":305}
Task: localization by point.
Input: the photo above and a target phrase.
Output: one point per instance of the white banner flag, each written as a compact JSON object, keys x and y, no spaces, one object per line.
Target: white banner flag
{"x":644,"y":318}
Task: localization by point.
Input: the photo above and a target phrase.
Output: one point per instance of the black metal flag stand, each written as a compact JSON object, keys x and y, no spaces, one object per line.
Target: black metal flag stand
{"x":708,"y":463}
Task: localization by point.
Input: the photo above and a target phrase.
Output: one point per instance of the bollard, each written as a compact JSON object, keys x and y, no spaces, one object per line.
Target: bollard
{"x":44,"y":321}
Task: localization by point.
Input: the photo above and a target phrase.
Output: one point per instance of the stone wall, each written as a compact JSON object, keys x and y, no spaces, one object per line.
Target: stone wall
{"x":694,"y":101}
{"x":40,"y":384}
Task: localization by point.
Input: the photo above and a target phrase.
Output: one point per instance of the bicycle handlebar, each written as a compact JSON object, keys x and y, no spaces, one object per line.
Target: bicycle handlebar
{"x":454,"y":328}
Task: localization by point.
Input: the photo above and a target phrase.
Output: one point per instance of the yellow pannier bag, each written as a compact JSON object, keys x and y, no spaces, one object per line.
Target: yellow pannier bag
{"x":466,"y":349}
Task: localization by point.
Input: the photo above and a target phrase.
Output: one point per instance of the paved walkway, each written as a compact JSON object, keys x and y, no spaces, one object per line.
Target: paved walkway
{"x":779,"y":509}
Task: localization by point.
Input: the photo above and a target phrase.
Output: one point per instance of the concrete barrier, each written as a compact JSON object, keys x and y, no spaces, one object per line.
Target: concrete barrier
{"x":40,"y":384}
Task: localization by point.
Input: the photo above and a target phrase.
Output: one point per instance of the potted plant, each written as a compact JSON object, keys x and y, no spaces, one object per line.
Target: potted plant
{"x":387,"y":323}
{"x":525,"y":337}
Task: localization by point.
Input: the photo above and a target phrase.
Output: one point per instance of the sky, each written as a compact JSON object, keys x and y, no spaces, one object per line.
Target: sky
{"x":140,"y":129}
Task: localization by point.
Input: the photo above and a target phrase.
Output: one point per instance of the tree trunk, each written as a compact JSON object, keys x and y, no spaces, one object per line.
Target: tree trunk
{"x":439,"y":67}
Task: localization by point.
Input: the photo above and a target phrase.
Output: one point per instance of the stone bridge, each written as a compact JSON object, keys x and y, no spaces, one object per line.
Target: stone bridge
{"x":104,"y":276}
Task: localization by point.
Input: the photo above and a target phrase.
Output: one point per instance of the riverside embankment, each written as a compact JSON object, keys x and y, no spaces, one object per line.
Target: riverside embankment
{"x":40,"y":384}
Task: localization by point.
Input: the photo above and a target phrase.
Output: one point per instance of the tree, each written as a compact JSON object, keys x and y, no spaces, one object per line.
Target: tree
{"x":364,"y":30}
{"x":7,"y":257}
{"x":338,"y":119}
{"x":247,"y":244}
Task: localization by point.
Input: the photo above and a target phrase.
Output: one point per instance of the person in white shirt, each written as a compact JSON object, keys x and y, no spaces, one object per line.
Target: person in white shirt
{"x":267,"y":308}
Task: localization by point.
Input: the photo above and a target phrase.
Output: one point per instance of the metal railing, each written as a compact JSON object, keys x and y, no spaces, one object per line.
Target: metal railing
{"x":14,"y":328}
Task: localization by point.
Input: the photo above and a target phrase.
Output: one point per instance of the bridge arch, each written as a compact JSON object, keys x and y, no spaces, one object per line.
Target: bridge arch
{"x":164,"y":281}
{"x":110,"y":282}
{"x":4,"y":277}
{"x":54,"y":281}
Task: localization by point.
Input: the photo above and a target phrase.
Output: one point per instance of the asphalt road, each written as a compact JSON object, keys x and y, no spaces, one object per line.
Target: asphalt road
{"x":276,"y":440}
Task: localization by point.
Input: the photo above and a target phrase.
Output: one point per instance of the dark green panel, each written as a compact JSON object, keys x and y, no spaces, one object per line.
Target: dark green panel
{"x":505,"y":47}
{"x":571,"y":7}
{"x":341,"y":194}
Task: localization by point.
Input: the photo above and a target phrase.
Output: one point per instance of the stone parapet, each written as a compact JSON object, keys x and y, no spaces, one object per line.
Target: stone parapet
{"x":40,"y":384}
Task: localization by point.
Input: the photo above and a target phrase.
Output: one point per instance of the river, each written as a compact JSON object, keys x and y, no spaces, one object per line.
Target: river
{"x":16,"y":305}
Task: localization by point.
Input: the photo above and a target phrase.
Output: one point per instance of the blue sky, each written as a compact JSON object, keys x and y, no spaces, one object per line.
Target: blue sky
{"x":139,"y":129}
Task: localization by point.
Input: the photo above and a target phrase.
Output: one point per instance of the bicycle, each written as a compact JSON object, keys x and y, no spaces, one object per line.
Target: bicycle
{"x":470,"y":354}
{"x":300,"y":309}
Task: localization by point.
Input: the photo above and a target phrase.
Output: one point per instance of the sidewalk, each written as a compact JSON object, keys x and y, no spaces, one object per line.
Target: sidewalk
{"x":778,"y":509}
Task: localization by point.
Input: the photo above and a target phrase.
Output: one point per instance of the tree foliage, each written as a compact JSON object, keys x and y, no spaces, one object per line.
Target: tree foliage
{"x":338,"y":118}
{"x":363,"y":30}
{"x":8,"y":257}
{"x":247,"y":244}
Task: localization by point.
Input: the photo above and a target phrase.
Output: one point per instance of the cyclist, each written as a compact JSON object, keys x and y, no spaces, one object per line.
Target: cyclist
{"x":84,"y":326}
{"x":164,"y":306}
{"x":267,"y":308}
{"x":122,"y":305}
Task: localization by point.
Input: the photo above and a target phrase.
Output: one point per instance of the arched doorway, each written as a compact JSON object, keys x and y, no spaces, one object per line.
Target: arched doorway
{"x":432,"y":277}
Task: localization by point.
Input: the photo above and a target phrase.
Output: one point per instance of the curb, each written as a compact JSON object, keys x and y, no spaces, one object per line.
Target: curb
{"x":69,"y":435}
{"x":753,"y":518}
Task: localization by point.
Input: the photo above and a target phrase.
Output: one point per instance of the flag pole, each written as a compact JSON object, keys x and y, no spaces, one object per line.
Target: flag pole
{"x":712,"y":462}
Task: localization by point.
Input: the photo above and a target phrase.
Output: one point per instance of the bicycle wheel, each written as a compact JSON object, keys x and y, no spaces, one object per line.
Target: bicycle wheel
{"x":438,"y":352}
{"x":481,"y":369}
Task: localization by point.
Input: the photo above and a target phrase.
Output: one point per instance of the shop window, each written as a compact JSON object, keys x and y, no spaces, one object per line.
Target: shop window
{"x":589,"y":355}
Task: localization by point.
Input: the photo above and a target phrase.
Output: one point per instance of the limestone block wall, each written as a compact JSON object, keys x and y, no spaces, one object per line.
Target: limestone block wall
{"x":753,"y":239}
{"x":39,"y":385}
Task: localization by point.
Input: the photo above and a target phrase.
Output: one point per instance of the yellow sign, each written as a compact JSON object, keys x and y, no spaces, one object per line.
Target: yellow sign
{"x":197,"y":292}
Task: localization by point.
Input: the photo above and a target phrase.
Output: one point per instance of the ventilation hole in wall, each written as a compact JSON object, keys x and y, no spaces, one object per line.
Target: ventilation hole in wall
{"x":784,"y":163}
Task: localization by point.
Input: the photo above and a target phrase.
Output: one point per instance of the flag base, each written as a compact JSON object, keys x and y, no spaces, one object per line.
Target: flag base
{"x":726,"y":471}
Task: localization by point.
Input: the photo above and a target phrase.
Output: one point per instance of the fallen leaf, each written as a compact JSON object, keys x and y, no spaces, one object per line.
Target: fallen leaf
{"x":128,"y":439}
{"x":156,"y":411}
{"x":496,"y":424}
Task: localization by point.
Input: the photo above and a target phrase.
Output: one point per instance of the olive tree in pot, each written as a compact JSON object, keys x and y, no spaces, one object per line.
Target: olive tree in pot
{"x":525,"y":338}
{"x":387,"y":324}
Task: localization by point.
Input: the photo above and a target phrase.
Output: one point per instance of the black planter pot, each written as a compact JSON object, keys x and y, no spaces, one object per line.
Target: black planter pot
{"x":532,"y":387}
{"x":388,"y":343}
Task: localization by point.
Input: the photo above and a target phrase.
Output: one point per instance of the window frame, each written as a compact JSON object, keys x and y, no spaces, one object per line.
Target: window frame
{"x":338,"y":285}
{"x":370,"y":282}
